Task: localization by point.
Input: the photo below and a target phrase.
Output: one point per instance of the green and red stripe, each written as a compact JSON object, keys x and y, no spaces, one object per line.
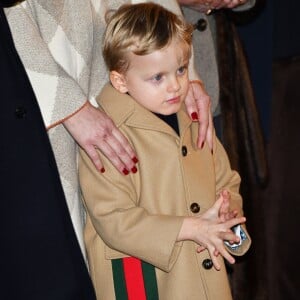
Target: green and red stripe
{"x":134,"y":279}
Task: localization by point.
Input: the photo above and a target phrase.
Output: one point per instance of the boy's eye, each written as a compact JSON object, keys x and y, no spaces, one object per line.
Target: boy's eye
{"x":181,"y":70}
{"x":157,"y":77}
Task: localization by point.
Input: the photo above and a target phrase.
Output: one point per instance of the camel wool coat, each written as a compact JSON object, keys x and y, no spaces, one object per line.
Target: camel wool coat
{"x":140,"y":215}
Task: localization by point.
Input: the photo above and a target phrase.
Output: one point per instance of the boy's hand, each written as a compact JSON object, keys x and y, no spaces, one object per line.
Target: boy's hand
{"x":216,"y":231}
{"x":210,"y":232}
{"x":225,"y":212}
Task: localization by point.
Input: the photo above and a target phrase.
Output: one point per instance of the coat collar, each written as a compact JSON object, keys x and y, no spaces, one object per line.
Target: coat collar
{"x":123,"y":109}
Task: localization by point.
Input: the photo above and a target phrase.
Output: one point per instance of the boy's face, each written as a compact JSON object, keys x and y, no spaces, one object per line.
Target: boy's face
{"x":158,"y":81}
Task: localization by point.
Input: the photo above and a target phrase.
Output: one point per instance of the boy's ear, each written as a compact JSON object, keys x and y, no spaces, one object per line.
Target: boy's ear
{"x":118,"y":81}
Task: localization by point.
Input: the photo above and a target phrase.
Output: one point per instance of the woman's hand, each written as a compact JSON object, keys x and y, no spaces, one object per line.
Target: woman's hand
{"x":198,"y":107}
{"x":92,"y":129}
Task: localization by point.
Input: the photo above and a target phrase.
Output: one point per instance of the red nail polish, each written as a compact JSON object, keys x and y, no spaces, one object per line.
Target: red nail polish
{"x":102,"y":170}
{"x":134,"y":170}
{"x":135,"y":160}
{"x":194,"y":116}
{"x":125,"y":171}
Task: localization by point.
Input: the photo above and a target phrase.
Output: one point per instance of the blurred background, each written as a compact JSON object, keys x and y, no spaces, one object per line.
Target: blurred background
{"x":270,"y":37}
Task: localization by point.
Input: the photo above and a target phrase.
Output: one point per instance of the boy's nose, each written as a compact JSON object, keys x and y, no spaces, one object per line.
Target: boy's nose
{"x":174,"y":85}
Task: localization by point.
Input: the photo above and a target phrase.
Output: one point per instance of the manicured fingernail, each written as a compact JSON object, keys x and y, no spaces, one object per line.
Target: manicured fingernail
{"x":135,"y":160}
{"x":194,"y":116}
{"x":125,"y":171}
{"x":134,"y":170}
{"x":102,"y":170}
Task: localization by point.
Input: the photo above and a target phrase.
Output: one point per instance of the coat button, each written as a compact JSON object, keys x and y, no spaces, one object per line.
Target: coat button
{"x":184,"y":151}
{"x":20,"y":112}
{"x":207,"y":264}
{"x":194,"y":207}
{"x":201,"y":25}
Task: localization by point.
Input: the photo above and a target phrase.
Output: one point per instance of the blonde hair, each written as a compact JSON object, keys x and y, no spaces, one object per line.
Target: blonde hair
{"x":141,"y":29}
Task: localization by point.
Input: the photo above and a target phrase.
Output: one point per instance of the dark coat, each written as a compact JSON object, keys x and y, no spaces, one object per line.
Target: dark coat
{"x":242,"y":134}
{"x":40,"y":258}
{"x":242,"y":138}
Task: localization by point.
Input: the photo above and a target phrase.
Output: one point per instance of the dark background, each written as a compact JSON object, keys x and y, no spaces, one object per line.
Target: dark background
{"x":270,"y":34}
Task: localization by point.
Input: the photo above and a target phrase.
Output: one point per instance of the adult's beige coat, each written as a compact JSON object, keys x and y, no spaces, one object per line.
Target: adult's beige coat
{"x":141,"y":214}
{"x":59,"y":43}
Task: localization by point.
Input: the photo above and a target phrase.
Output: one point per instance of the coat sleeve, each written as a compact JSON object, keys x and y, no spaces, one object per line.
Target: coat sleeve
{"x":226,"y":178}
{"x":112,"y":203}
{"x":56,"y":57}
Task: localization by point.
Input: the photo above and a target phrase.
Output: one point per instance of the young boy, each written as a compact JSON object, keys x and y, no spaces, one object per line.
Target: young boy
{"x":157,"y":233}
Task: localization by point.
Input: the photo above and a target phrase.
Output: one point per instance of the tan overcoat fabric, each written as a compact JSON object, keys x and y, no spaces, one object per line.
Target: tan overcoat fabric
{"x":141,"y":214}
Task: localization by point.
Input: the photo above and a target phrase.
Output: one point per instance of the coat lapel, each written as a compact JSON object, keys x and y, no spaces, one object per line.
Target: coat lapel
{"x":123,"y":109}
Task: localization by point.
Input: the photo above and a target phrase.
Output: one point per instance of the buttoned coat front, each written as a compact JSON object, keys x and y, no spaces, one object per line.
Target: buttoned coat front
{"x":141,"y":214}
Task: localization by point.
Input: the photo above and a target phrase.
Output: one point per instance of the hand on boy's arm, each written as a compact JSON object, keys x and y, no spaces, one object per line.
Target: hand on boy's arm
{"x":210,"y":232}
{"x":204,"y":5}
{"x":198,"y":107}
{"x":92,"y":129}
